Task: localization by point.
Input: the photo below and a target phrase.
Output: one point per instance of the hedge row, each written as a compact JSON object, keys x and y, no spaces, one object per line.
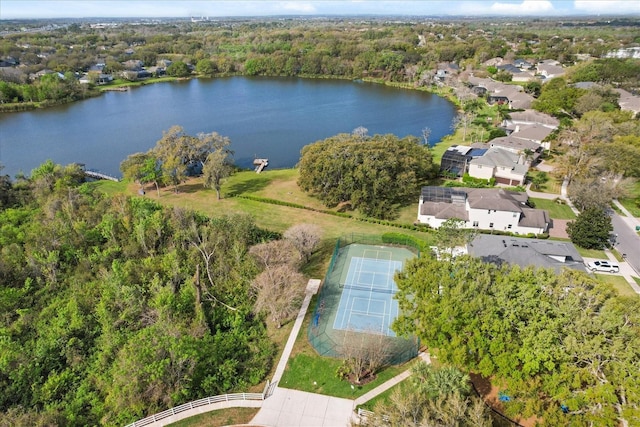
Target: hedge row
{"x":414,"y":227}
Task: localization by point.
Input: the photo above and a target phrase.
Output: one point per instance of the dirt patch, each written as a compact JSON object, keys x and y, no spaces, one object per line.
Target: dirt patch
{"x":489,"y":393}
{"x":558,"y":228}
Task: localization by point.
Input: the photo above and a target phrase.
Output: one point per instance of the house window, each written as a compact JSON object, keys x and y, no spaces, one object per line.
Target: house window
{"x":509,"y":227}
{"x":475,"y":223}
{"x":490,"y":225}
{"x":515,"y":214}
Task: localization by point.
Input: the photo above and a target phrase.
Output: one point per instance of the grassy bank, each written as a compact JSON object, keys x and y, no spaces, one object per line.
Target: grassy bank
{"x":245,"y":191}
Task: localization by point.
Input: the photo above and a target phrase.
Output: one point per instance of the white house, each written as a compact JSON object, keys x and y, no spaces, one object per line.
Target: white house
{"x":482,"y":208}
{"x":503,"y":165}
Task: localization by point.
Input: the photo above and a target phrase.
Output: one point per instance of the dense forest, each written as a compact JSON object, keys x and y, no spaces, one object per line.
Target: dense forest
{"x":563,"y":347}
{"x":115,"y":308}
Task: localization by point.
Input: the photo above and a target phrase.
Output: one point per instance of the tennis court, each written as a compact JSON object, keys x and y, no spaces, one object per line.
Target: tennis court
{"x":357,"y":296}
{"x":366,"y":303}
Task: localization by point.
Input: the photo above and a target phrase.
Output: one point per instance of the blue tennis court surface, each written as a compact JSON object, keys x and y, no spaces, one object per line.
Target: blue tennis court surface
{"x":367,"y":303}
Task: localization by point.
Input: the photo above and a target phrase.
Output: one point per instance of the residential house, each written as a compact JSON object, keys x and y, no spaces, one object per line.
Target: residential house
{"x":481,"y":208}
{"x":526,"y":252}
{"x":511,"y":95}
{"x":506,"y":167}
{"x":455,"y":161}
{"x":100,"y":79}
{"x":529,"y":117}
{"x":516,"y":145}
{"x":522,"y":64}
{"x":549,"y":69}
{"x":446,"y":70}
{"x":518,"y":75}
{"x":629,"y":102}
{"x":534,"y":133}
{"x":133,"y":65}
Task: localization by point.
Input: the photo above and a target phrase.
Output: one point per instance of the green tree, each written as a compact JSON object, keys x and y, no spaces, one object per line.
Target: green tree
{"x":178,"y":69}
{"x":539,"y":179}
{"x":452,"y":234}
{"x":216,"y":168}
{"x":557,"y":98}
{"x":374,"y":176}
{"x":591,"y":229}
{"x":205,"y":67}
{"x":535,"y":331}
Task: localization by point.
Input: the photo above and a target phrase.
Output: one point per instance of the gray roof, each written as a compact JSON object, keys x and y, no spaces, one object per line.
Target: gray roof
{"x":526,"y":252}
{"x":628,"y":101}
{"x":442,"y":210}
{"x":532,"y":132}
{"x":498,"y":199}
{"x":513,"y":143}
{"x":532,"y":116}
{"x":496,"y":156}
{"x":537,"y":218}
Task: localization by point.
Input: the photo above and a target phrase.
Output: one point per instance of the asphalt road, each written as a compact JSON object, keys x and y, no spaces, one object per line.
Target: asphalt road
{"x":627,"y":241}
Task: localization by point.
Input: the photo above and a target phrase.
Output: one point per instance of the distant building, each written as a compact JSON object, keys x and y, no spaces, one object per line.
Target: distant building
{"x":629,"y":102}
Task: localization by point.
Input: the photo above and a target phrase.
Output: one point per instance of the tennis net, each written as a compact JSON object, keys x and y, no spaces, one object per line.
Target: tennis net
{"x":369,"y":289}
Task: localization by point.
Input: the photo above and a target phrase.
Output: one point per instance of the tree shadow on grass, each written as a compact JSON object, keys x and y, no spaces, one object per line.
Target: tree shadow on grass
{"x":190,"y":188}
{"x":251,"y":185}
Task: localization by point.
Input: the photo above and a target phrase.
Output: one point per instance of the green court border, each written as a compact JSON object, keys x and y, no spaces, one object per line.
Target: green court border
{"x":328,"y":341}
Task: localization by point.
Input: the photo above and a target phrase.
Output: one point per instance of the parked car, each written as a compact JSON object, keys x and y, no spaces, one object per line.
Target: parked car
{"x":603,"y":266}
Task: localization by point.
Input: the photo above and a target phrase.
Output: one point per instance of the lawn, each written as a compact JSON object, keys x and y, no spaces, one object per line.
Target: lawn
{"x":279,"y":184}
{"x":591,"y":253}
{"x":556,"y":210}
{"x":632,"y":203}
{"x":222,"y":417}
{"x":307,"y":371}
{"x":619,"y":283}
{"x":383,"y":398}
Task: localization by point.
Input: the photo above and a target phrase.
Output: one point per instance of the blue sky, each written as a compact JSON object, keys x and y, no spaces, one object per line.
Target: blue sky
{"x":11,"y":9}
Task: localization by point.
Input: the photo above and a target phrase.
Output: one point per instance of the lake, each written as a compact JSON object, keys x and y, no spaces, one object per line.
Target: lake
{"x":263,"y":117}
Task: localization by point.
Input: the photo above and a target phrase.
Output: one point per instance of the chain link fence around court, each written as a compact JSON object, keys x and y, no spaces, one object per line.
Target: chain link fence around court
{"x":329,"y":341}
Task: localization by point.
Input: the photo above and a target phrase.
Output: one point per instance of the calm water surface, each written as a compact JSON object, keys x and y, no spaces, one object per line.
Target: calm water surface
{"x":263,"y":117}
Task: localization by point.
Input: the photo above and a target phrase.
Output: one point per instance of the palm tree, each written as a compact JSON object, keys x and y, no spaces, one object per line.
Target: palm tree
{"x":435,"y":382}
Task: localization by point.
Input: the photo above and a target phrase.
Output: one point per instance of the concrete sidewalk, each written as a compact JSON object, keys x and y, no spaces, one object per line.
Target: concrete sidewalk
{"x":390,"y":383}
{"x":288,"y":408}
{"x":629,"y":219}
{"x":294,"y":408}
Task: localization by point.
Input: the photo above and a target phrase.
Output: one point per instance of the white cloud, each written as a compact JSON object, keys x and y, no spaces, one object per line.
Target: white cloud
{"x":607,"y":7}
{"x":298,"y":6}
{"x":527,"y":7}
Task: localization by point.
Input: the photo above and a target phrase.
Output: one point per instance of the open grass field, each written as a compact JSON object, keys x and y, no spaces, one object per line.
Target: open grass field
{"x":279,"y":184}
{"x":618,"y":283}
{"x":223,"y":417}
{"x":556,"y":210}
